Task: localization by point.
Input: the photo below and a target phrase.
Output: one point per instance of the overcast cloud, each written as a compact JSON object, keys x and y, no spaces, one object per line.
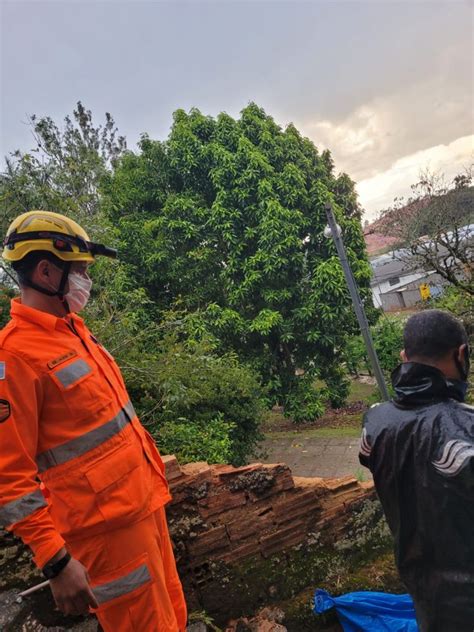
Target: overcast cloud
{"x":386,"y":86}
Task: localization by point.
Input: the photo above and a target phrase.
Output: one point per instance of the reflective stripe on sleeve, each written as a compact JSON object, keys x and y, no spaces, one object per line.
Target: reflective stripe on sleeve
{"x":122,"y":585}
{"x":21,"y":508}
{"x":72,"y":372}
{"x":88,"y":441}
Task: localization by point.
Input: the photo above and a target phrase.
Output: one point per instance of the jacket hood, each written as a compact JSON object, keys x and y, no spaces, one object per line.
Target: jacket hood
{"x":416,"y":384}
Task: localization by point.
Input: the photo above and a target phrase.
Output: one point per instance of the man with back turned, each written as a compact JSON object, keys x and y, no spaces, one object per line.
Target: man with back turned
{"x":420,"y":450}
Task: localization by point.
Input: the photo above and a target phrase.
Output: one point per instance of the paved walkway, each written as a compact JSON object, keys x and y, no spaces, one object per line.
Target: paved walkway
{"x":314,"y":456}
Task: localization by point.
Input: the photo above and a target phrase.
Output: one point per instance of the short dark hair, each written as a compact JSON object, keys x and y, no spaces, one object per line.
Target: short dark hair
{"x":25,"y":266}
{"x":433,"y":334}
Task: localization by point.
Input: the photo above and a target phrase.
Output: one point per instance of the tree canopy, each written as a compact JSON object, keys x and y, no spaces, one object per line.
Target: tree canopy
{"x":63,"y":170}
{"x":224,"y":220}
{"x":220,"y":232}
{"x":199,"y":404}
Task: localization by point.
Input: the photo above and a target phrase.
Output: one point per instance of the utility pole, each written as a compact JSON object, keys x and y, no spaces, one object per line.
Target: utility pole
{"x":356,"y":301}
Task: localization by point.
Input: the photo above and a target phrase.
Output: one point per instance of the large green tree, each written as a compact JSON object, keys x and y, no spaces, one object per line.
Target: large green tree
{"x":199,"y":404}
{"x":225,"y":220}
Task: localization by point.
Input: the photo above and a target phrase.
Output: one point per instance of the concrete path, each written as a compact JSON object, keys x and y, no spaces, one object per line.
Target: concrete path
{"x":315,"y":456}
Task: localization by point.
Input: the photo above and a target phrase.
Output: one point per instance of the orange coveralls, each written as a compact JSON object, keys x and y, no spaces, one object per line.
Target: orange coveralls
{"x":66,"y":421}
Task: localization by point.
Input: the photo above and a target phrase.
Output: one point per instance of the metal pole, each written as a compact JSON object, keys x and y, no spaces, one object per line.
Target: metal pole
{"x":356,"y":301}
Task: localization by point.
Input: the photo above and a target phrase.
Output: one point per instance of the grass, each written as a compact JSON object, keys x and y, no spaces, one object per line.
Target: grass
{"x":360,"y":391}
{"x":345,"y":422}
{"x":361,"y":475}
{"x":402,"y":314}
{"x":321,"y":433}
{"x":332,"y":424}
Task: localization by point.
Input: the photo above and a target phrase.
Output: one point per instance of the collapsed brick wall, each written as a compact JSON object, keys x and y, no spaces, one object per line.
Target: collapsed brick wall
{"x":225,"y":515}
{"x":220,"y":517}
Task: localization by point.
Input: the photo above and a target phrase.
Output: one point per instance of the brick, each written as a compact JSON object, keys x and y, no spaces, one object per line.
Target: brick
{"x":296,"y":504}
{"x":193,"y":469}
{"x":209,"y":542}
{"x":172,"y":468}
{"x":227,"y":472}
{"x":249,"y":525}
{"x":334,"y":484}
{"x":218,"y":503}
{"x":277,"y":468}
{"x":283,"y":481}
{"x":239,"y":553}
{"x":341,"y":499}
{"x":315,"y":482}
{"x":242,"y":529}
{"x":185,"y":485}
{"x":284,"y":538}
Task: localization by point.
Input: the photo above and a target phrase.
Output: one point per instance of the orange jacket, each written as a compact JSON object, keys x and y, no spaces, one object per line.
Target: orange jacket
{"x":66,"y":420}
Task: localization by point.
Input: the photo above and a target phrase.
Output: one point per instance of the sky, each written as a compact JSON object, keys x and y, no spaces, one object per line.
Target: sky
{"x":387,"y":86}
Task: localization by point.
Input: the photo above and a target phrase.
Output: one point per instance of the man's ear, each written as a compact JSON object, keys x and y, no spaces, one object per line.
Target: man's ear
{"x":403,"y":356}
{"x":462,"y":353}
{"x":43,"y":268}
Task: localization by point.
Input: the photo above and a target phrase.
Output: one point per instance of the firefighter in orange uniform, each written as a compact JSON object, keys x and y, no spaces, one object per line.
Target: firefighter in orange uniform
{"x":66,"y":421}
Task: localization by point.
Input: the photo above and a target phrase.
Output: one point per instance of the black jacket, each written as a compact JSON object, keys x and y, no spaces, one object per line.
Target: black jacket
{"x":420,"y":450}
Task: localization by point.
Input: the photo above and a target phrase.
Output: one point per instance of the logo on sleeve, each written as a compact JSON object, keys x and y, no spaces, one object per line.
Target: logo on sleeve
{"x":5,"y":410}
{"x":455,"y":456}
{"x":365,"y":447}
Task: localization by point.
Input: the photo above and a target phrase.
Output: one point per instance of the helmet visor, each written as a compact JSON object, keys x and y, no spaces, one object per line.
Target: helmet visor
{"x":61,"y":242}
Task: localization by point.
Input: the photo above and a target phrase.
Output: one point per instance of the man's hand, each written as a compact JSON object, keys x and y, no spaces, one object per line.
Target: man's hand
{"x":71,"y":590}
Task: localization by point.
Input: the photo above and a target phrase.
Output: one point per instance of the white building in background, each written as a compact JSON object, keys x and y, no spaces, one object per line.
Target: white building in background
{"x":397,"y":284}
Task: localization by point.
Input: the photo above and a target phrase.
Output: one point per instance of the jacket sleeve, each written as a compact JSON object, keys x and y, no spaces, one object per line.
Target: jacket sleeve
{"x":23,"y":508}
{"x":367,"y":439}
{"x":453,"y":455}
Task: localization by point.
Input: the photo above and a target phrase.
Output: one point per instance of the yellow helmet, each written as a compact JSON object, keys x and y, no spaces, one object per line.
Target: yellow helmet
{"x":55,"y":233}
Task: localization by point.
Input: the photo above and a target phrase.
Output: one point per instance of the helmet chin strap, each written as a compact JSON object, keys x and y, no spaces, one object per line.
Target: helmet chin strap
{"x":60,"y":291}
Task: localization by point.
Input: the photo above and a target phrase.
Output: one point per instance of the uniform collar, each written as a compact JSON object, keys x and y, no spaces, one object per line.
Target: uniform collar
{"x":18,"y":311}
{"x":416,"y":384}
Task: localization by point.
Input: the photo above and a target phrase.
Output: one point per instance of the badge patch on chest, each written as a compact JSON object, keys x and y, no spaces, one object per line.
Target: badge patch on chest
{"x":62,"y":358}
{"x":5,"y":410}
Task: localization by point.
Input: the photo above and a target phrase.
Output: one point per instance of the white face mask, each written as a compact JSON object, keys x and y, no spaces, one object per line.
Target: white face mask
{"x":79,"y":291}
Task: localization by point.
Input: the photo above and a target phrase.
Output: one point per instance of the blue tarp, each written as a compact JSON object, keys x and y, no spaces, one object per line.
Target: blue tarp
{"x":367,"y":611}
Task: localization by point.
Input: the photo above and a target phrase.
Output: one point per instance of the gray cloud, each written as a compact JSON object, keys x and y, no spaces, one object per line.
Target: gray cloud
{"x":373,"y":81}
{"x":380,"y":132}
{"x":432,"y":110}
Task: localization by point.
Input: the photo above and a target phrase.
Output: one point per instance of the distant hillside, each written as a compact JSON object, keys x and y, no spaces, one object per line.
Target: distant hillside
{"x":378,"y":242}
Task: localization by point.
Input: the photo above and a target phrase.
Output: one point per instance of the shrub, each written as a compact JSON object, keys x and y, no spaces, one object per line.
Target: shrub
{"x":304,"y":402}
{"x":388,"y":341}
{"x":461,"y":305}
{"x":210,"y":390}
{"x":193,"y":441}
{"x":355,"y":355}
{"x":337,"y":384}
{"x":458,"y":303}
{"x":6,"y":295}
{"x":197,"y":403}
{"x":387,"y":335}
